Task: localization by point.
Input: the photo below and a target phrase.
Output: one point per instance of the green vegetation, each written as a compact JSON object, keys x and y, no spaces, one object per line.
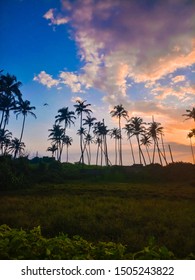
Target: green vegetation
{"x":125,"y":205}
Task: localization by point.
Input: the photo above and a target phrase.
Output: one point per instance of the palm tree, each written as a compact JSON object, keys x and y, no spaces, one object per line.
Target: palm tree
{"x":101,"y":131}
{"x":16,"y":146}
{"x":115,"y":134}
{"x":129,"y":131}
{"x":190,"y":114}
{"x":7,"y":103}
{"x":68,"y":118}
{"x":82,"y":108}
{"x":137,"y":128}
{"x":89,"y":121}
{"x":190,"y":135}
{"x":53,"y":148}
{"x":24,"y":108}
{"x":5,"y":139}
{"x":56,"y":135}
{"x":146,"y":141}
{"x":9,"y":92}
{"x":68,"y":142}
{"x":119,"y":112}
{"x":154,"y":131}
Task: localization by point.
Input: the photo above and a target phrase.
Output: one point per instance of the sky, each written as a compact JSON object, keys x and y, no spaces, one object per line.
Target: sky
{"x":138,"y":53}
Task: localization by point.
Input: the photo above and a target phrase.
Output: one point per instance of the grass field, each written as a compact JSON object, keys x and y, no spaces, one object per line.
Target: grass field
{"x":129,"y":213}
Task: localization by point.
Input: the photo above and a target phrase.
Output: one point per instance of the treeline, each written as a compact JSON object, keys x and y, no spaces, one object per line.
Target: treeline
{"x":24,"y":173}
{"x":91,"y":131}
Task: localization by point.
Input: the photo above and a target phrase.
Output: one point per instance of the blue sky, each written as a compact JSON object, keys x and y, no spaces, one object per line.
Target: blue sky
{"x":138,"y":53}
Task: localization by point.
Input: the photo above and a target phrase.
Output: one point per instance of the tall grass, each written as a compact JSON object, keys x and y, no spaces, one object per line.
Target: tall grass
{"x":128,"y":213}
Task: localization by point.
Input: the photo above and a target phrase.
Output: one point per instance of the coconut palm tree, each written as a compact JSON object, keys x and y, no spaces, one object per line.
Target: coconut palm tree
{"x":24,"y":108}
{"x":56,"y":136}
{"x":9,"y":93}
{"x":190,"y":135}
{"x":146,"y":141}
{"x":137,"y":128}
{"x":68,"y":118}
{"x":68,"y":142}
{"x":53,"y":148}
{"x":119,"y":112}
{"x":129,"y":131}
{"x":5,"y":139}
{"x":82,"y":108}
{"x":190,"y":114}
{"x":115,"y":134}
{"x":154,"y":131}
{"x":101,"y":131}
{"x":16,"y":146}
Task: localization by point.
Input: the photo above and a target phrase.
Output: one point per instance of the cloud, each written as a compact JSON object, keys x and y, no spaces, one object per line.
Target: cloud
{"x":55,"y":19}
{"x":46,"y":79}
{"x":178,"y":79}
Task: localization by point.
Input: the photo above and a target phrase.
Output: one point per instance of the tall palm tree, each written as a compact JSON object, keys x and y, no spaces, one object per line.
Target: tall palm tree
{"x":68,"y":118}
{"x":137,"y":128}
{"x":115,"y":134}
{"x":82,"y":108}
{"x":190,"y":114}
{"x":119,"y":112}
{"x":24,"y":108}
{"x":190,"y":135}
{"x":129,"y":131}
{"x":154,"y":131}
{"x":101,"y":131}
{"x":146,"y":141}
{"x":89,"y":121}
{"x":9,"y":93}
{"x":16,"y":146}
{"x":68,"y":142}
{"x":56,"y":136}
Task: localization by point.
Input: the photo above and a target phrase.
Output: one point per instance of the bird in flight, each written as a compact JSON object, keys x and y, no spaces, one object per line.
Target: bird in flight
{"x":45,"y":104}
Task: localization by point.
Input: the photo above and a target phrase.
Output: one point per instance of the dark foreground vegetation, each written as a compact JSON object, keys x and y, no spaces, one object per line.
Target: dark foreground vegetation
{"x":114,"y":212}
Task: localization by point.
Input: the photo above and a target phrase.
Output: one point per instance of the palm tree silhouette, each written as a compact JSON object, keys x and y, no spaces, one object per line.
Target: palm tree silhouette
{"x":154,"y":131}
{"x":101,"y":131}
{"x":115,"y":134}
{"x":68,"y":118}
{"x":137,"y":128}
{"x":16,"y":146}
{"x":67,"y":140}
{"x":82,"y":108}
{"x":24,"y":108}
{"x":190,"y":135}
{"x":5,"y":139}
{"x":119,"y":112}
{"x":56,"y":135}
{"x":190,"y":114}
{"x":9,"y":93}
{"x":53,"y":148}
{"x":129,"y":131}
{"x":146,"y":141}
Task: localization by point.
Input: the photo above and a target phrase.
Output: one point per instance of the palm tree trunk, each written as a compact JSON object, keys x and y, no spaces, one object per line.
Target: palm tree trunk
{"x":120,"y":151}
{"x":2,"y":117}
{"x":140,"y":160}
{"x":132,"y":150}
{"x":192,"y":151}
{"x":116,"y":151}
{"x":22,"y":131}
{"x":81,"y":141}
{"x":67,"y":153}
{"x":97,"y":154}
{"x":148,"y":155}
{"x":154,"y":149}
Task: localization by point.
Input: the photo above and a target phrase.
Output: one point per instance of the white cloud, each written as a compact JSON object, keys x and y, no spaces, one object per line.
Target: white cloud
{"x":55,"y":19}
{"x":46,"y":79}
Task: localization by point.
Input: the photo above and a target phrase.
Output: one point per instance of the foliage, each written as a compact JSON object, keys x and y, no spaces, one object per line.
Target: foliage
{"x":18,"y":244}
